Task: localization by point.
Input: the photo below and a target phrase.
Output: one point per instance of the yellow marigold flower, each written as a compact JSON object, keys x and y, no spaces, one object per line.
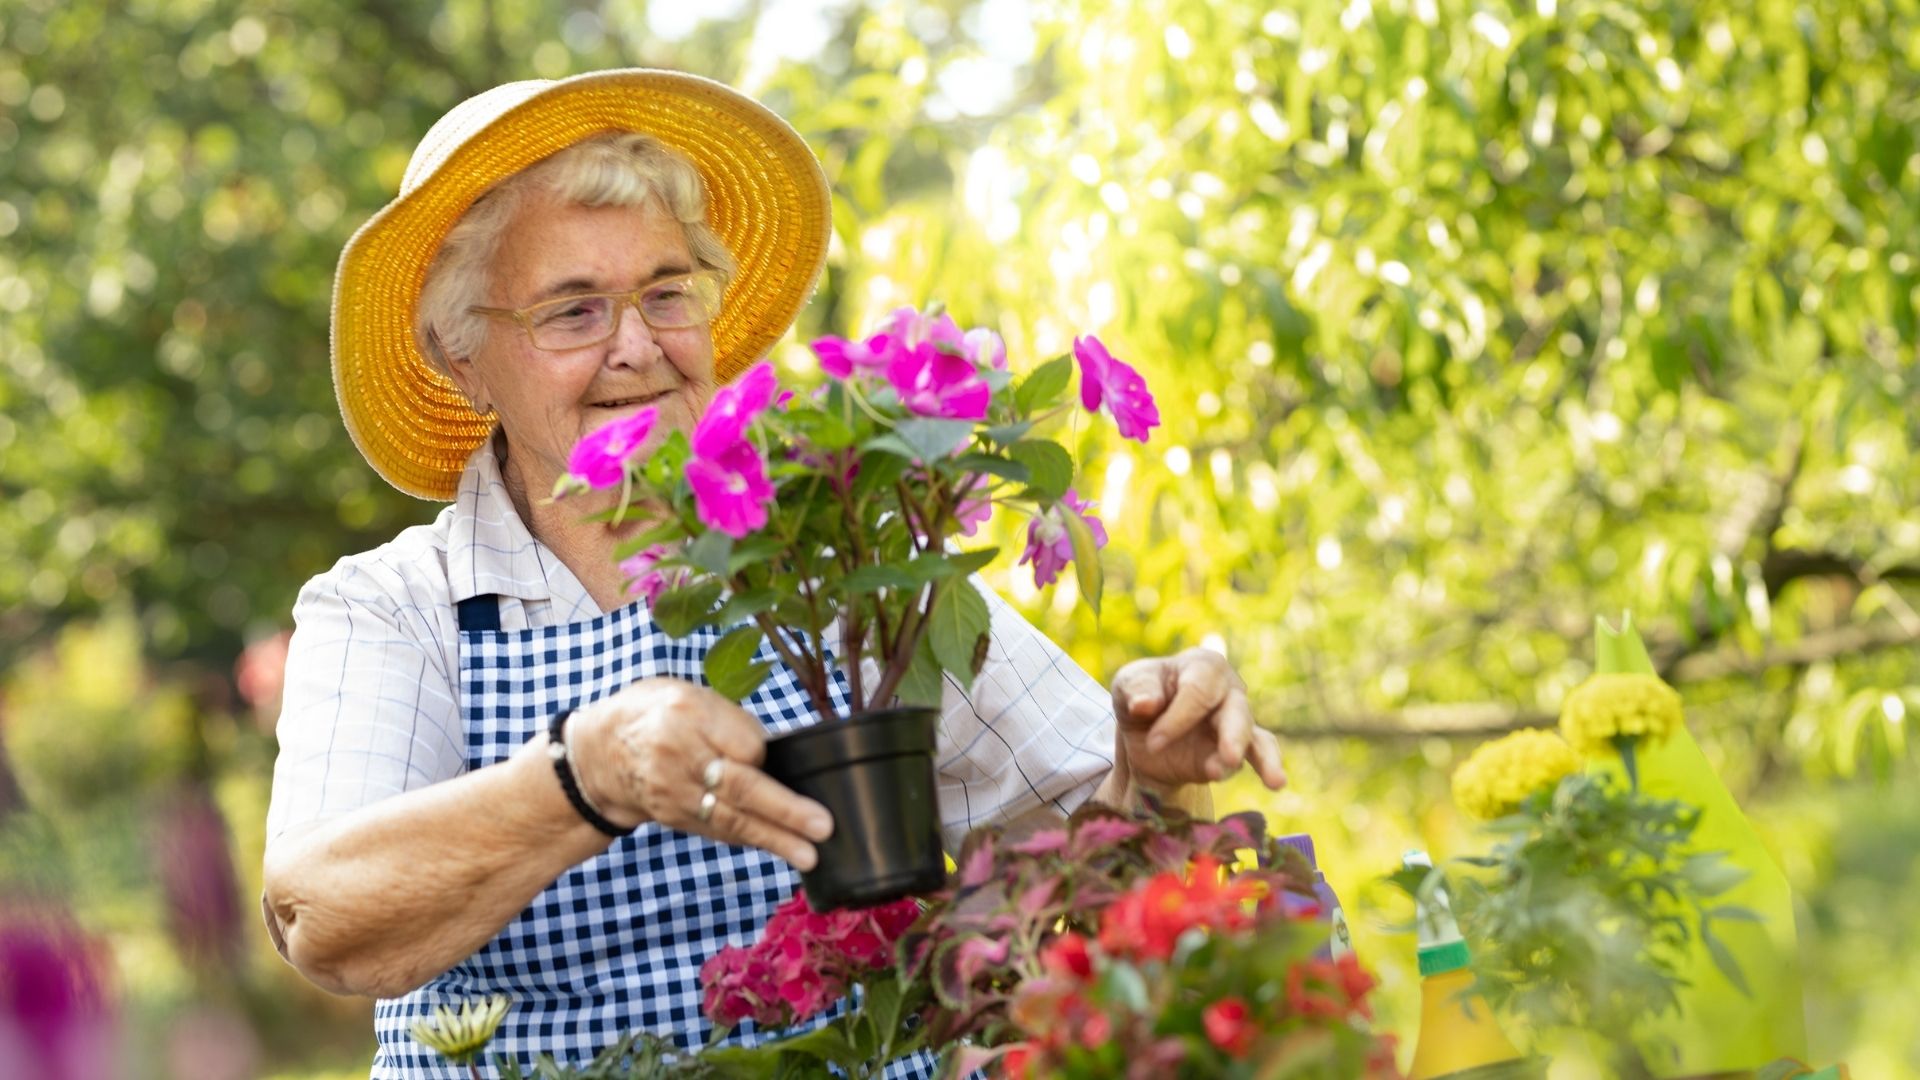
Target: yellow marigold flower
{"x":1501,"y":774}
{"x":1606,"y":708}
{"x":461,"y":1037}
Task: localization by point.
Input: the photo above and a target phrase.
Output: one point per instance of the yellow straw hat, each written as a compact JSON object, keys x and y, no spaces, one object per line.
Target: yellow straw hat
{"x":766,"y":198}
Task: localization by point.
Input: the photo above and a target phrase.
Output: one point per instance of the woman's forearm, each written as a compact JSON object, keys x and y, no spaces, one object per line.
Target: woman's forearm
{"x":382,"y":899}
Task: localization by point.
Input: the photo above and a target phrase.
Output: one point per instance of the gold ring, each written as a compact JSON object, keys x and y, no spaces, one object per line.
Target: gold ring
{"x":710,"y":779}
{"x":707,"y":803}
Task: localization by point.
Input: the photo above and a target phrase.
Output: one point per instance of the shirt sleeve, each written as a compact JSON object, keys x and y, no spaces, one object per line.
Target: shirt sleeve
{"x":369,"y":708}
{"x":1034,"y":736}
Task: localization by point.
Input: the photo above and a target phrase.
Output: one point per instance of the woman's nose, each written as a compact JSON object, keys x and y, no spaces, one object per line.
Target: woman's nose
{"x":633,"y":339}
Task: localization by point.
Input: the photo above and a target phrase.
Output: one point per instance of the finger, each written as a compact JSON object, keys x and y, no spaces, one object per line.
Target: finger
{"x":1140,"y":689}
{"x":732,"y":825}
{"x":1201,"y":688}
{"x":1233,"y":722}
{"x":732,"y":732}
{"x":756,"y":793}
{"x":1263,"y":749}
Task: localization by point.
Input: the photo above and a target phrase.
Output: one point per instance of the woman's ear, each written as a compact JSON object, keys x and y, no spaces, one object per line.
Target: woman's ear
{"x":464,"y":374}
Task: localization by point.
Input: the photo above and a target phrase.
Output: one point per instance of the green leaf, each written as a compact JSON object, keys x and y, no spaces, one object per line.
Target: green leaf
{"x":872,"y":578}
{"x":1723,"y":959}
{"x":712,"y":552}
{"x":1042,"y":388}
{"x":683,"y":610}
{"x":891,"y":444}
{"x":922,"y":684}
{"x":938,"y":567}
{"x":754,"y":549}
{"x":955,"y":626}
{"x":746,"y":605}
{"x":663,"y":533}
{"x":931,"y":439}
{"x":997,"y":466}
{"x":1050,"y":466}
{"x":1086,"y":558}
{"x":730,"y":665}
{"x":1009,"y":433}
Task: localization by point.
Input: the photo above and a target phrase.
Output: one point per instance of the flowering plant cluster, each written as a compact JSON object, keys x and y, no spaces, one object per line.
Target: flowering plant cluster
{"x":804,"y":961}
{"x":780,"y":516}
{"x":1584,"y":910}
{"x":1124,"y":946}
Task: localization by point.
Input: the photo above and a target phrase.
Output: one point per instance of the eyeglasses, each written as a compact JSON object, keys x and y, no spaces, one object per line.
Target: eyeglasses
{"x":583,"y":319}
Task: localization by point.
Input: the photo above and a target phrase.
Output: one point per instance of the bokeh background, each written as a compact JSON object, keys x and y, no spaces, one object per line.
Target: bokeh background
{"x":1469,"y":320}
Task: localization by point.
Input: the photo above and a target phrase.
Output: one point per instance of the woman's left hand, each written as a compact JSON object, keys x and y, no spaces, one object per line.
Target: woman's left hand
{"x":1185,"y":719}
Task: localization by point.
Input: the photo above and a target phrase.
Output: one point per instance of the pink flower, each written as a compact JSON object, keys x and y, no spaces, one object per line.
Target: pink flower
{"x":1049,"y":547}
{"x":1104,"y":379}
{"x":643,"y":576}
{"x":984,"y":348}
{"x":731,"y":491}
{"x":733,"y":408}
{"x":841,"y":358}
{"x":975,"y":506}
{"x":600,"y":459}
{"x":936,"y":383}
{"x":912,"y":329}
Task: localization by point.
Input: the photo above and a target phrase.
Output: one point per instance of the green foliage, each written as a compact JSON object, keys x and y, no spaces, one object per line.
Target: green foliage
{"x":1582,"y":912}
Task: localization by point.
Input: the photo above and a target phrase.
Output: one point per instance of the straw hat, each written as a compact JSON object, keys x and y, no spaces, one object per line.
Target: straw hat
{"x":766,"y":198}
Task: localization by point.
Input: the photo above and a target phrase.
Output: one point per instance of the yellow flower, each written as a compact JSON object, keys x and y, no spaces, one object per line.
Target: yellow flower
{"x":1501,"y":774}
{"x":1607,"y":708}
{"x":461,"y":1036}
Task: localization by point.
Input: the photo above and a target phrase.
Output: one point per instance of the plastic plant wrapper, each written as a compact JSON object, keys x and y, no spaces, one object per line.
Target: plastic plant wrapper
{"x":1720,"y":1026}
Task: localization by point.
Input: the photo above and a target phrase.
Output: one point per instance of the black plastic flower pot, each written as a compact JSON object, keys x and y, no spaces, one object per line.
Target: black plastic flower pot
{"x":874,"y":773}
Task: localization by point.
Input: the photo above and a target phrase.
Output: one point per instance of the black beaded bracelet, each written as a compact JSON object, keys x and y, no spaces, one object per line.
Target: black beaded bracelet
{"x":557,"y":753}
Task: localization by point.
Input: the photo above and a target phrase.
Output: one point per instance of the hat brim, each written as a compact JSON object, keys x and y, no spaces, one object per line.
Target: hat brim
{"x":767,"y":200}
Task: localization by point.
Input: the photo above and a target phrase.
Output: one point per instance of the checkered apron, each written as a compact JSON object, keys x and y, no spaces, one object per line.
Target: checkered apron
{"x":617,"y":942}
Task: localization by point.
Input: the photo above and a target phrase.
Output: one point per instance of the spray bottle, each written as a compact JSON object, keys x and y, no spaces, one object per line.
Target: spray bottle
{"x":1459,"y":1038}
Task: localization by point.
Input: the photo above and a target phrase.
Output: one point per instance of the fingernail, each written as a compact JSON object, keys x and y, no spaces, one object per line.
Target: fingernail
{"x":804,"y":860}
{"x":820,"y":826}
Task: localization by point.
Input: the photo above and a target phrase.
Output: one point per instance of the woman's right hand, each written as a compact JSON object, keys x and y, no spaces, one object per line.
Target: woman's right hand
{"x":643,"y":753}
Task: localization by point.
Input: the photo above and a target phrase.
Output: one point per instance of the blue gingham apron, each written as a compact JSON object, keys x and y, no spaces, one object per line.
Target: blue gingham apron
{"x":616,"y":943}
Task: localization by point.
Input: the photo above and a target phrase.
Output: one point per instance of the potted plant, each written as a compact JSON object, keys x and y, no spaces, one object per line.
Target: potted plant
{"x":824,"y":532}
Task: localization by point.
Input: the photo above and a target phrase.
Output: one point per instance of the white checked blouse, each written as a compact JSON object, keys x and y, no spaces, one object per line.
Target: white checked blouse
{"x":371,"y":706}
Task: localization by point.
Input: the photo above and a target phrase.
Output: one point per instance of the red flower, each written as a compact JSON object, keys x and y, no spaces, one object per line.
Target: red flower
{"x":1308,"y":986}
{"x":1356,"y":982}
{"x":1096,"y":1031}
{"x":1229,"y":1026}
{"x":1147,"y":921}
{"x":1067,"y":957}
{"x":1017,"y":1063}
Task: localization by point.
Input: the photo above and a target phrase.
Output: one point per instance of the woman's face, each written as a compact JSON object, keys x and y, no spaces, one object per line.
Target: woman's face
{"x":548,"y":400}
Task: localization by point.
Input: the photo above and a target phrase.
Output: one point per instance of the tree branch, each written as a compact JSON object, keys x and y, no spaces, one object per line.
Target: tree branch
{"x":1481,"y":719}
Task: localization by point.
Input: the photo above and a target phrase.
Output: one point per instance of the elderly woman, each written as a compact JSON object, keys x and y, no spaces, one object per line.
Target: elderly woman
{"x":562,"y":254}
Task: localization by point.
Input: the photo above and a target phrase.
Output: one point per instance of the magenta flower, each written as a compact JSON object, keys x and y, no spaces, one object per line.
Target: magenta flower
{"x":841,"y":358}
{"x":975,"y":506}
{"x":600,"y":459}
{"x":984,"y":348}
{"x":1105,"y":380}
{"x":936,"y":383}
{"x":910,"y":328}
{"x":643,"y":574}
{"x":55,"y":1022}
{"x":730,"y":489}
{"x":804,"y":961}
{"x":1049,"y":547}
{"x":733,"y":408}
